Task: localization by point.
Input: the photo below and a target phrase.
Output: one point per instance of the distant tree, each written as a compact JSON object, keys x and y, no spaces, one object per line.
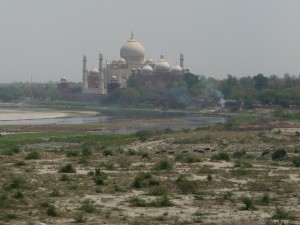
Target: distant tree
{"x":261,"y":81}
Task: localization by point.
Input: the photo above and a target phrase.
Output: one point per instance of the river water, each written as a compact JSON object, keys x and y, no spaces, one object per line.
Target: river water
{"x":146,"y":120}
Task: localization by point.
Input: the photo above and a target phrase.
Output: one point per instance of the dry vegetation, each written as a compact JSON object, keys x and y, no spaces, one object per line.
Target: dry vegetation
{"x":203,"y":176}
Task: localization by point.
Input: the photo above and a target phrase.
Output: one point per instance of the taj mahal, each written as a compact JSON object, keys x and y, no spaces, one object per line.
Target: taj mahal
{"x":108,"y":76}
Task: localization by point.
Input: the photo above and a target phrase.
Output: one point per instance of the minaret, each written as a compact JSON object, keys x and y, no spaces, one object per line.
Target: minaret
{"x":84,"y":75}
{"x":181,"y":60}
{"x":101,"y":75}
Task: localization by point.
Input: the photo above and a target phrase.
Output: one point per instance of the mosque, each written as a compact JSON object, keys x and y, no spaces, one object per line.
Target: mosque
{"x":109,"y":76}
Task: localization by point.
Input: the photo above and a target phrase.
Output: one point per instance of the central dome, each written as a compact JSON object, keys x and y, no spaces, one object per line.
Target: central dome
{"x":133,"y":52}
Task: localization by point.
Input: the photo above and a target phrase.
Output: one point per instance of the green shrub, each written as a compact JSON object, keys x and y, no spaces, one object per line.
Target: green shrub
{"x":137,"y":202}
{"x":65,"y":177}
{"x":79,"y":217}
{"x":143,"y":179}
{"x":55,"y":192}
{"x":282,"y":214}
{"x":52,"y":211}
{"x":68,"y":168}
{"x":33,"y":155}
{"x":159,"y":190}
{"x":249,"y":203}
{"x":99,"y":180}
{"x":163,"y":164}
{"x":265,"y":199}
{"x":279,"y":154}
{"x":18,"y":195}
{"x":239,"y":154}
{"x":7,"y":216}
{"x":209,"y":177}
{"x":17,"y":182}
{"x":10,"y":151}
{"x":20,"y":163}
{"x":220,"y":156}
{"x":72,"y":153}
{"x":185,"y":185}
{"x":86,"y":152}
{"x":163,"y":201}
{"x":88,"y":206}
{"x":108,"y":152}
{"x":296,"y":161}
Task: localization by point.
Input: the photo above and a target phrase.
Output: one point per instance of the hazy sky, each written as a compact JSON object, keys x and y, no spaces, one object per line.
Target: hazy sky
{"x":46,"y":39}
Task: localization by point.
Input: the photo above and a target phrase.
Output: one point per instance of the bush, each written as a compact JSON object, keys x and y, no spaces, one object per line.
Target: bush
{"x":68,"y":168}
{"x":249,"y":203}
{"x":239,"y":154}
{"x":296,"y":161}
{"x":10,"y":151}
{"x":279,"y":154}
{"x":137,"y":202}
{"x":88,"y":206}
{"x":281,"y":214}
{"x":163,"y":164}
{"x":108,"y":152}
{"x":163,"y":201}
{"x":185,"y":185}
{"x":20,"y":163}
{"x":158,"y":191}
{"x":220,"y":156}
{"x":86,"y":152}
{"x":99,"y":180}
{"x":265,"y":199}
{"x":17,"y":182}
{"x":33,"y":155}
{"x":72,"y":153}
{"x":79,"y":218}
{"x":65,"y":177}
{"x":143,"y":179}
{"x":51,"y":211}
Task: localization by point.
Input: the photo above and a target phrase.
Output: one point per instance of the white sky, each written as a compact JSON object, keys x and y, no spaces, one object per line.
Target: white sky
{"x":46,"y":39}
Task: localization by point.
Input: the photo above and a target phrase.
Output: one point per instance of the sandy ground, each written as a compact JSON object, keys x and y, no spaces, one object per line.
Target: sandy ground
{"x":11,"y":115}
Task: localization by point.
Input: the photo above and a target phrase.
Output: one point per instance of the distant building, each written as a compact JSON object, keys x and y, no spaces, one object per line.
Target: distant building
{"x":115,"y":74}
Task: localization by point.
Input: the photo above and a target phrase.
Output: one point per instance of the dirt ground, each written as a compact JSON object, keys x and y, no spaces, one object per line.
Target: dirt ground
{"x":194,"y":176}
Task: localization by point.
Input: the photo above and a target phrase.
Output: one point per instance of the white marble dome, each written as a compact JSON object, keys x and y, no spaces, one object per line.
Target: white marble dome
{"x":162,"y":65}
{"x":94,"y":70}
{"x":149,"y":61}
{"x":147,"y":70}
{"x":176,"y":70}
{"x":121,"y":61}
{"x":133,"y":51}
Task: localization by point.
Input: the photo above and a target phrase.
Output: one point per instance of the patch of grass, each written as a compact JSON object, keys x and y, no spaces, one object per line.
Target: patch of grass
{"x":296,"y":161}
{"x":86,"y":152}
{"x":162,"y":201}
{"x":73,"y":153}
{"x":163,"y":164}
{"x":186,"y":186}
{"x":88,"y":206}
{"x":248,"y":203}
{"x":55,"y":192}
{"x":143,"y":179}
{"x":17,"y":182}
{"x":239,"y":154}
{"x":33,"y":155}
{"x":79,"y":217}
{"x":10,"y":151}
{"x":282,"y":214}
{"x":65,"y":177}
{"x":52,"y":211}
{"x":159,"y":190}
{"x":7,"y":216}
{"x":265,"y":199}
{"x":220,"y":156}
{"x":20,"y":163}
{"x":137,"y":202}
{"x":108,"y":152}
{"x":68,"y":168}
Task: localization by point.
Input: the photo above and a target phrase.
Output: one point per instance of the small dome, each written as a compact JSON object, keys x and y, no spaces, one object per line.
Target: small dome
{"x":176,"y":70}
{"x":147,"y":70}
{"x":115,"y":61}
{"x":149,"y":61}
{"x":121,"y":61}
{"x":114,"y":78}
{"x":94,"y":70}
{"x":162,"y":65}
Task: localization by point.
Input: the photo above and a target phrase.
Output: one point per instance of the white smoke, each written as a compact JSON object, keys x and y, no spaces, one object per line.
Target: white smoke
{"x":221,"y":98}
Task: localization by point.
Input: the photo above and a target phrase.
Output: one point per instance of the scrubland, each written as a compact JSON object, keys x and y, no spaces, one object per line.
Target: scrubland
{"x":244,"y":172}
